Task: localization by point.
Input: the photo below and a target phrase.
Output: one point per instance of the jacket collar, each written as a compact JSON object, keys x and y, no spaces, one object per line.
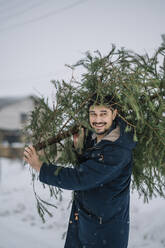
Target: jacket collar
{"x":113,"y":134}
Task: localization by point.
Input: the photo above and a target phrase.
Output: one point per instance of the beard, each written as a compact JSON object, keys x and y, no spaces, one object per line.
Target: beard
{"x":101,"y":133}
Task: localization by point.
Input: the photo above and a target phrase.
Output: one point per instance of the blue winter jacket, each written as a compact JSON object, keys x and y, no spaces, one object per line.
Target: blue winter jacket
{"x":100,"y":210}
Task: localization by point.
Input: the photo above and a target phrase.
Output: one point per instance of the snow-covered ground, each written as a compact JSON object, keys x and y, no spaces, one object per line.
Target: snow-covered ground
{"x":21,"y":226}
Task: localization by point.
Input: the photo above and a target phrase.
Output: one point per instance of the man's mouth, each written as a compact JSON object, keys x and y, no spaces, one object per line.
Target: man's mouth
{"x":99,"y":125}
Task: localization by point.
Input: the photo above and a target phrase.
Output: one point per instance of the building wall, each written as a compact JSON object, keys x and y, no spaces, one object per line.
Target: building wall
{"x":10,"y":116}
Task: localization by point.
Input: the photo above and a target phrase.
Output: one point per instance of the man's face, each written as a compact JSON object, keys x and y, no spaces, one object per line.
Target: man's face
{"x":101,"y":118}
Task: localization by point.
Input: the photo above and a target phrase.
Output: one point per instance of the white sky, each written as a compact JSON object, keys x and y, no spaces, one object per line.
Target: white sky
{"x":38,"y":37}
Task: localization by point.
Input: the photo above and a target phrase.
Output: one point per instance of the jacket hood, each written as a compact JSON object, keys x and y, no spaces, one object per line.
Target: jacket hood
{"x":118,"y":135}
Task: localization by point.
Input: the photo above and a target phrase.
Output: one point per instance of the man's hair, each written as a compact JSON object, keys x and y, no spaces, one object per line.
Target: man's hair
{"x":108,"y":100}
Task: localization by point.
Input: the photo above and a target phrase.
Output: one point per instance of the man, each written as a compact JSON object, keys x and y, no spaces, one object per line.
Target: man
{"x":100,"y":210}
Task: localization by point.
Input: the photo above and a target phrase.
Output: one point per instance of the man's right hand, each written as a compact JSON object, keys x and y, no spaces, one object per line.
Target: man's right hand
{"x":32,"y":158}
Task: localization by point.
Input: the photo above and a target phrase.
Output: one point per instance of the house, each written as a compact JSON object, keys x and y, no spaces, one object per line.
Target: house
{"x":14,"y":112}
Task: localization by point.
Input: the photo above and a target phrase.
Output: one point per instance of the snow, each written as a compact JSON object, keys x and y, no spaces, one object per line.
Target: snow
{"x":21,"y":226}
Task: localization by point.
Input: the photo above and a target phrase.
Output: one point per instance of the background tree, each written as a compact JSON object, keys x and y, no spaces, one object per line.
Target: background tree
{"x":138,"y":84}
{"x":163,"y":40}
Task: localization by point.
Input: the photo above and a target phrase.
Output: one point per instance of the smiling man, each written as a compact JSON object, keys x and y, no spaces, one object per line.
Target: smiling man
{"x":101,"y":119}
{"x":100,"y":210}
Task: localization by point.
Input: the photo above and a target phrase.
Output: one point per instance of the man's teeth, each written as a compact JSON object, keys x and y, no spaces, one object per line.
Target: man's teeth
{"x":99,"y":125}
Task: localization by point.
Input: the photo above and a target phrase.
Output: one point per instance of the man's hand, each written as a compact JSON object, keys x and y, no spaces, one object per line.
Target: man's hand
{"x":32,"y":158}
{"x":78,"y":140}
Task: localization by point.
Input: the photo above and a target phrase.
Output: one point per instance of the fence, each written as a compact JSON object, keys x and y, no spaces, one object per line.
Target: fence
{"x":11,"y":152}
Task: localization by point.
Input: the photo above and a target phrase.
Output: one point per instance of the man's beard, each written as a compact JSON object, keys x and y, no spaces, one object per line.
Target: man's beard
{"x":101,"y":133}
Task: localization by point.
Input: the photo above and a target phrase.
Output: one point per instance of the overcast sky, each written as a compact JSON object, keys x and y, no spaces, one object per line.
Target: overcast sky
{"x":38,"y":37}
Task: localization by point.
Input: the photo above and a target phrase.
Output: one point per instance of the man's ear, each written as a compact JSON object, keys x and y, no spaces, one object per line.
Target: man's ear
{"x":114,"y":114}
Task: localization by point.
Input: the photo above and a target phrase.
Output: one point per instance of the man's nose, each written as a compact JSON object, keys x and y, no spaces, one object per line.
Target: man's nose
{"x":98,"y":119}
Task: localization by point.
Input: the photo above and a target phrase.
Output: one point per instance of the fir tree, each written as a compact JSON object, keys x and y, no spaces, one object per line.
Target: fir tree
{"x":137,"y":83}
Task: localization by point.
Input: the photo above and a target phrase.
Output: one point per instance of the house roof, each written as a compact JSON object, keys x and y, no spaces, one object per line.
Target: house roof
{"x":5,"y":101}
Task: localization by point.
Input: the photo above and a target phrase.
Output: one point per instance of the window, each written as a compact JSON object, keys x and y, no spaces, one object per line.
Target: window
{"x":23,"y":117}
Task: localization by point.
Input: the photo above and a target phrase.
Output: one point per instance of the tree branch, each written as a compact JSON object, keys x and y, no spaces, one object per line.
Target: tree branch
{"x":57,"y":138}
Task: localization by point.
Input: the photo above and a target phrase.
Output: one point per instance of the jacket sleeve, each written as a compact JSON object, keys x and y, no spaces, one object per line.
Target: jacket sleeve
{"x":89,"y":174}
